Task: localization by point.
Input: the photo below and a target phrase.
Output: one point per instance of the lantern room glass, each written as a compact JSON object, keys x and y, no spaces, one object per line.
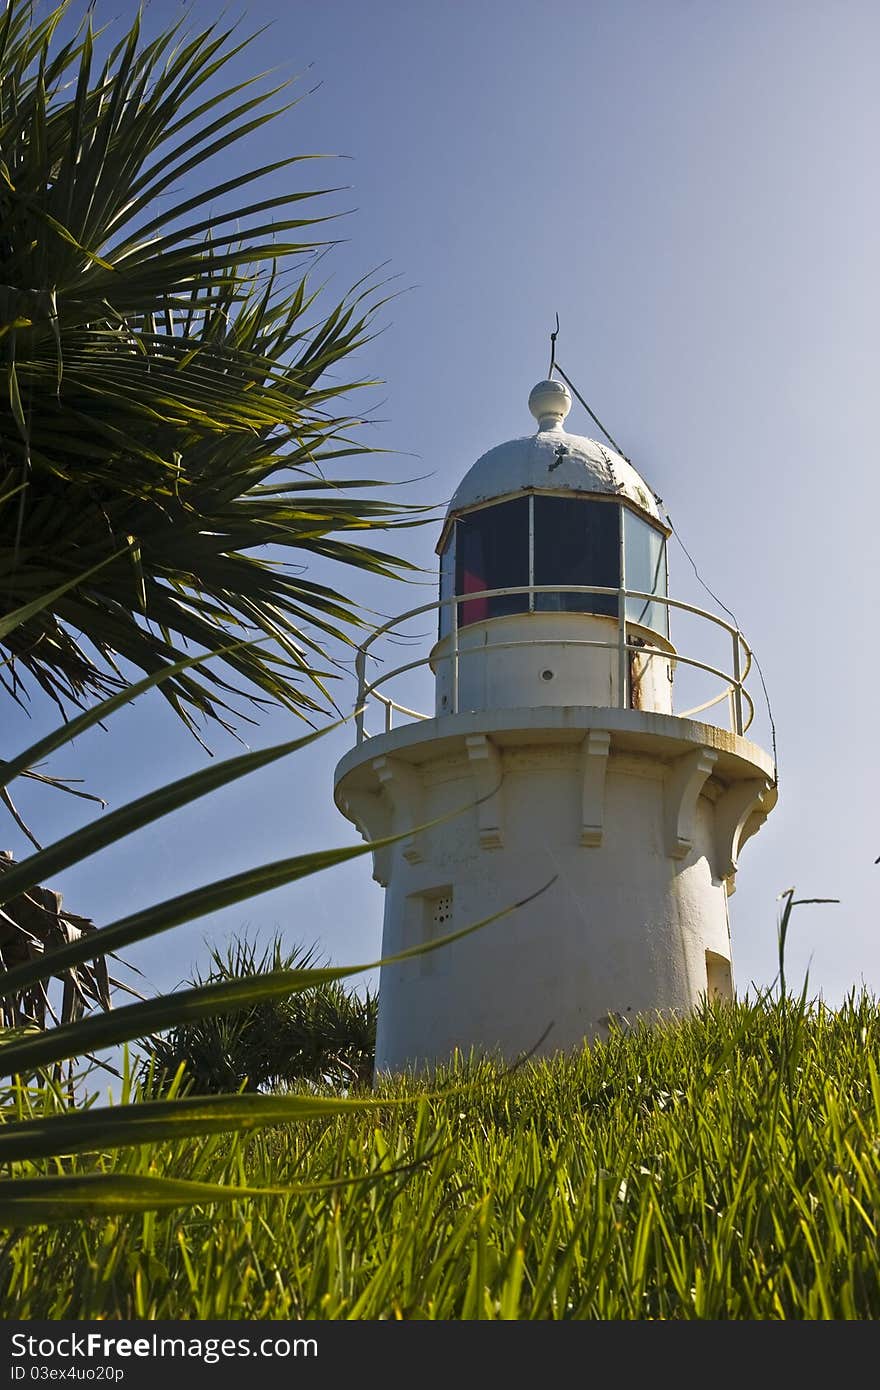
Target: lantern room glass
{"x":492,"y":552}
{"x":551,"y":539}
{"x":576,"y":541}
{"x":645,"y":566}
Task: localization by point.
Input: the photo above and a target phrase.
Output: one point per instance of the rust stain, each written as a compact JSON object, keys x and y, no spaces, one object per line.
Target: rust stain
{"x":636,"y":671}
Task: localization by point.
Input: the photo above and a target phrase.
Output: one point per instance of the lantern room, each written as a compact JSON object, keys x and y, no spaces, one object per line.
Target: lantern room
{"x":561,"y":545}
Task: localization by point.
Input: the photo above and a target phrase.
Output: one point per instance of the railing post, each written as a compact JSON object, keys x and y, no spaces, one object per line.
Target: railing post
{"x":454,"y":640}
{"x":388,"y":716}
{"x":622,"y":653}
{"x":737,"y":687}
{"x":360,"y":667}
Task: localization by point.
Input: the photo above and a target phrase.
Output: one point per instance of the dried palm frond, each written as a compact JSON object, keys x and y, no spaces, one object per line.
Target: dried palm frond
{"x":33,"y":924}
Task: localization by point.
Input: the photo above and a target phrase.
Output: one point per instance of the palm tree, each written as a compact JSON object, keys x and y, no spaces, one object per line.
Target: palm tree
{"x":324,"y":1037}
{"x":171,"y":437}
{"x":170,"y":434}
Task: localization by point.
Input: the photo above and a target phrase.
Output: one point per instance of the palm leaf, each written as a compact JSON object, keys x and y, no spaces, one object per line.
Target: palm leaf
{"x":147,"y":1122}
{"x":25,"y":1054}
{"x":37,"y":1201}
{"x":114,"y":826}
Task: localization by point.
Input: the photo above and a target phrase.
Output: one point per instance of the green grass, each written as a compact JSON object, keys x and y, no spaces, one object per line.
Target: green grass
{"x":724,"y":1167}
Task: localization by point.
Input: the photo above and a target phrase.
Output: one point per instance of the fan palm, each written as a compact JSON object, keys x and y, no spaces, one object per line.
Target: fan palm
{"x":169,"y":409}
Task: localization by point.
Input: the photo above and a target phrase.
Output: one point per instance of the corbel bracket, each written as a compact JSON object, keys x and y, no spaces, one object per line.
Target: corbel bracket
{"x":371,"y":814}
{"x":732,"y":811}
{"x":739,"y":813}
{"x":594,"y":764}
{"x":401,"y":785}
{"x":685,"y":781}
{"x":485,"y":761}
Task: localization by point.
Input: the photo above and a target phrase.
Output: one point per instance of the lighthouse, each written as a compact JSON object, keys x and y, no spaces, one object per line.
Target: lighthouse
{"x":559,"y":751}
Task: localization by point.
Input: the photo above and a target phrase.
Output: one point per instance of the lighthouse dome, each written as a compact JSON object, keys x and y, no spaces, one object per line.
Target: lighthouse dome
{"x":552,"y":460}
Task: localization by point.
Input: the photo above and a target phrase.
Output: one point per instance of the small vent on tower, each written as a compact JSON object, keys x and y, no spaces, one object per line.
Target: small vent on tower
{"x":431,"y":917}
{"x":442,"y":916}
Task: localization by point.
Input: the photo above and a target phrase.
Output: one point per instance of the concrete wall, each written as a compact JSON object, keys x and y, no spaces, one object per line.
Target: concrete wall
{"x":624,"y":929}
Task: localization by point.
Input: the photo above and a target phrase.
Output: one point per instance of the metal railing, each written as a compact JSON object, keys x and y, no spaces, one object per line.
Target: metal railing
{"x":733,"y":692}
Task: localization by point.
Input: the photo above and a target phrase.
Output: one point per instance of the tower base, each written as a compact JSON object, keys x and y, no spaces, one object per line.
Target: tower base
{"x":633,"y":821}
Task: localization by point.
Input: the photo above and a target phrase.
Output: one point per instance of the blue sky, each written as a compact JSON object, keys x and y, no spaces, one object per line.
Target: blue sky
{"x":693,"y":187}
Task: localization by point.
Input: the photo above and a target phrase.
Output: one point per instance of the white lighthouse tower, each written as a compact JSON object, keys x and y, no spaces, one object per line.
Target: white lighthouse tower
{"x":555,"y":728}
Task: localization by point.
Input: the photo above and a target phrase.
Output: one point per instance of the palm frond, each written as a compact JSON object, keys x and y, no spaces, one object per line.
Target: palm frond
{"x":174,"y":408}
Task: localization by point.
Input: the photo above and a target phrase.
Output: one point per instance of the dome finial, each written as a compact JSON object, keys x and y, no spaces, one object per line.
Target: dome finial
{"x":549,"y":402}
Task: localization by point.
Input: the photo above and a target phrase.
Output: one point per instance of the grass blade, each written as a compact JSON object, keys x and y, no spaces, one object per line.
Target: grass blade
{"x":32,"y":1201}
{"x":97,"y":1130}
